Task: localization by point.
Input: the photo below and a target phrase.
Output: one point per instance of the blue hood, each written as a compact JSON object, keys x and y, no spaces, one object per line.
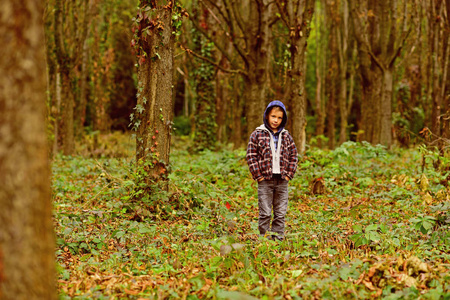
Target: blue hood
{"x":269,"y":107}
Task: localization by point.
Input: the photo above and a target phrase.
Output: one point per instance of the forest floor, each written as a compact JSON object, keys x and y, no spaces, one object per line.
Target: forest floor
{"x":362,"y":223}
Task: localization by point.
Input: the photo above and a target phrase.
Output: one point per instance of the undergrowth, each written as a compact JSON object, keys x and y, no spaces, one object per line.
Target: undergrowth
{"x":377,"y":229}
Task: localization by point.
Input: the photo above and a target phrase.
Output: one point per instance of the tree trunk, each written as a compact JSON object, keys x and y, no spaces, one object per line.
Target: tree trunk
{"x":257,"y":60}
{"x":297,"y":15}
{"x":90,"y":11}
{"x":332,"y":77}
{"x":321,"y":62}
{"x":223,"y":96}
{"x":237,"y":114}
{"x":27,"y":269}
{"x":57,"y":111}
{"x":379,"y":45}
{"x":83,"y":88}
{"x":222,"y":101}
{"x":66,"y":131}
{"x":205,"y":116}
{"x":370,"y":106}
{"x":154,"y":110}
{"x":342,"y":40}
{"x":386,"y":108}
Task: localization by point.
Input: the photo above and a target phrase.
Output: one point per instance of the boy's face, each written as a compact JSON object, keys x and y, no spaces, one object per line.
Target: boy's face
{"x":274,"y":118}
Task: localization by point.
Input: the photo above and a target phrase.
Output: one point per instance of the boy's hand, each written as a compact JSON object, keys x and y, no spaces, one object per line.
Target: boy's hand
{"x":287,"y":178}
{"x":261,"y":179}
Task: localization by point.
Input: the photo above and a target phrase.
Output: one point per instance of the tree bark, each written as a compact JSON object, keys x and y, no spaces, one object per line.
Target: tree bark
{"x":438,"y":43}
{"x":321,"y":62}
{"x":65,"y":61}
{"x":154,"y":111}
{"x":332,"y":74}
{"x":342,"y":40}
{"x":90,"y":11}
{"x":205,"y":115}
{"x":26,"y":230}
{"x":297,"y":15}
{"x":257,"y":60}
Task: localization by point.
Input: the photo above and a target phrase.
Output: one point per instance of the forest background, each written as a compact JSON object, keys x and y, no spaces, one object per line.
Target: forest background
{"x":346,"y":70}
{"x":134,"y":83}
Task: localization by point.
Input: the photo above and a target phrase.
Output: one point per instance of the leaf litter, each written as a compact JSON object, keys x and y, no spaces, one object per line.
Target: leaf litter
{"x":350,"y":238}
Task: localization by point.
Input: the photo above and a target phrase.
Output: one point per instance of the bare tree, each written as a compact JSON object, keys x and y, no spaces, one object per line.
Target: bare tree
{"x":26,"y":230}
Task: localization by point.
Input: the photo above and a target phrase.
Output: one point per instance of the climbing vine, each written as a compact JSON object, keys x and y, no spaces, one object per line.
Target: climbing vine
{"x":147,"y":20}
{"x":205,"y":117}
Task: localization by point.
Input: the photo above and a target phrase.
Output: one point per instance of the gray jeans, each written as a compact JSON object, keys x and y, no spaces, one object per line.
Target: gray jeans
{"x":272,"y":194}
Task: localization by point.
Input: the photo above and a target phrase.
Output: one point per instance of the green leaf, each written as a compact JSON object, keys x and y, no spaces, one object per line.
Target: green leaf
{"x":372,"y":227}
{"x":144,"y":229}
{"x":296,"y":273}
{"x":373,"y":236}
{"x":344,"y":273}
{"x":357,"y":228}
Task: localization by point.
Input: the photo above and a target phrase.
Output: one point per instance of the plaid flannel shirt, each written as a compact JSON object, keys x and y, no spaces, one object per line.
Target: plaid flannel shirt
{"x":259,"y":155}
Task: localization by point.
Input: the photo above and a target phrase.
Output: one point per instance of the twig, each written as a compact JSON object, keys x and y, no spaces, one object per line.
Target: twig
{"x":215,"y":64}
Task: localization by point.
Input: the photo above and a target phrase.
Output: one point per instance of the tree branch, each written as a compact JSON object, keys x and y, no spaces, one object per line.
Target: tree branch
{"x":240,"y":51}
{"x":399,"y":49}
{"x":217,"y":65}
{"x":283,"y":15}
{"x":216,"y":44}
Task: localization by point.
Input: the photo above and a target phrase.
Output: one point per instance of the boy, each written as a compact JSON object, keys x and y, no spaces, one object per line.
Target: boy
{"x":272,"y":160}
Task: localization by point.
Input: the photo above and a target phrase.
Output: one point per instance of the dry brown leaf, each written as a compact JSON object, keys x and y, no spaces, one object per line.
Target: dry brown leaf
{"x":427,"y":199}
{"x":424,"y":183}
{"x":369,"y":285}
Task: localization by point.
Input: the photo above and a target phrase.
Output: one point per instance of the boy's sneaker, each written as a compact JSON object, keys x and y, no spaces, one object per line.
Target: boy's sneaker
{"x":269,"y":237}
{"x":277,"y":238}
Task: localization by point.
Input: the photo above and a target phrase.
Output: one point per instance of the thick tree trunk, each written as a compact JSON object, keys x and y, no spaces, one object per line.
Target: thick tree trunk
{"x":67,"y":97}
{"x":154,"y":111}
{"x":257,"y":60}
{"x":255,"y":100}
{"x":27,"y":246}
{"x":386,"y":108}
{"x":205,"y":135}
{"x":67,"y":105}
{"x":379,"y":44}
{"x":438,"y":45}
{"x":297,"y":15}
{"x":370,"y":107}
